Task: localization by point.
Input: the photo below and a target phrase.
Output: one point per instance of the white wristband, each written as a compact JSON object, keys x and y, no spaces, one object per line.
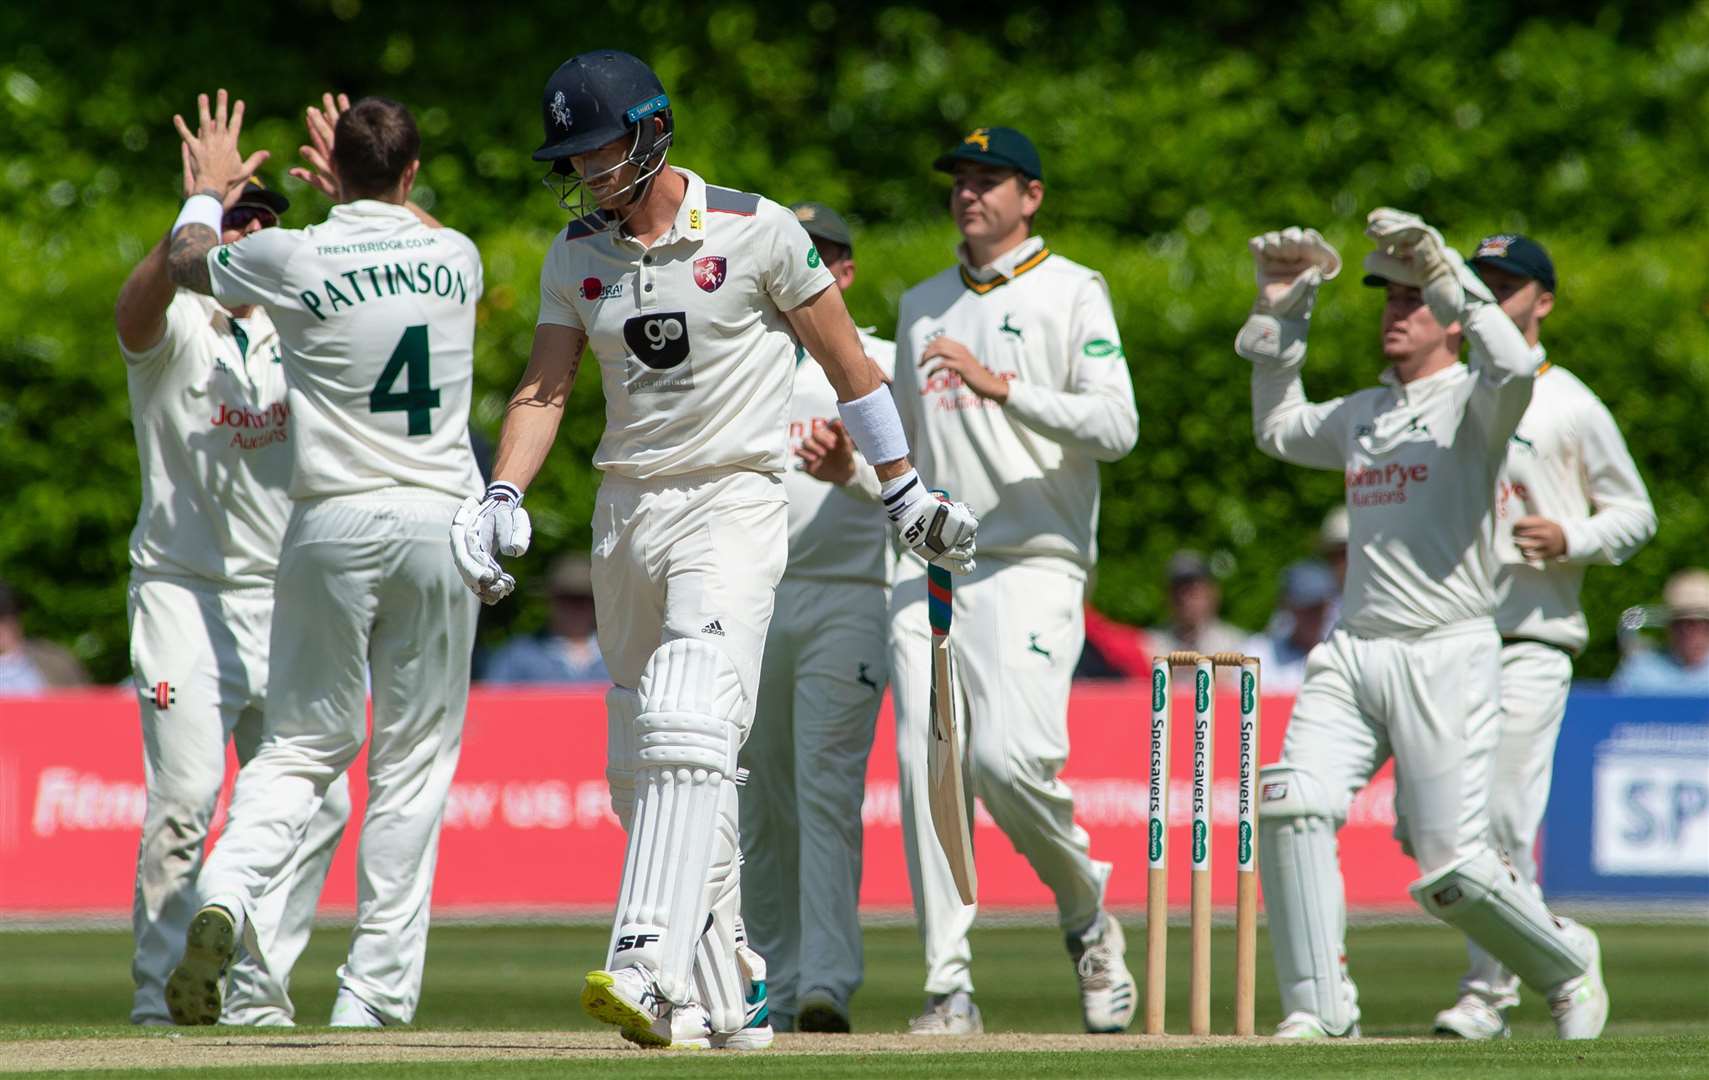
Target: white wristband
{"x":200,"y":210}
{"x":875,"y":426}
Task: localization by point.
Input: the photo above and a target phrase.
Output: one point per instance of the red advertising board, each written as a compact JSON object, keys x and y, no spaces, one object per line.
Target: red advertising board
{"x":528,"y":825}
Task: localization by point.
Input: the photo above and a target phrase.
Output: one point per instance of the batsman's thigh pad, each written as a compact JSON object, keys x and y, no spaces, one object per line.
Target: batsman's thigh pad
{"x":622,"y":735}
{"x":1303,"y":893}
{"x":689,"y":732}
{"x":1485,"y":898}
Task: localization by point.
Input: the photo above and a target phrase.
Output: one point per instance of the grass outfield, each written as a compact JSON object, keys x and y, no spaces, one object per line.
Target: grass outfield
{"x":504,"y":998}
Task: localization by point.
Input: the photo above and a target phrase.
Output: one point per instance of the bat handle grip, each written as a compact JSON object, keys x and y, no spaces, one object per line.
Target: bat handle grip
{"x":939,"y":606}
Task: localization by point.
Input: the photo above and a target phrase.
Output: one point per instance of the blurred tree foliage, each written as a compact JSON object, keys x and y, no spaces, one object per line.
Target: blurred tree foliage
{"x":1168,"y":139}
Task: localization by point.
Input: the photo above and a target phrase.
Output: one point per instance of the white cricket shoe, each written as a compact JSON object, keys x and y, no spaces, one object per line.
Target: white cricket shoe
{"x":689,"y":1027}
{"x":350,"y":1011}
{"x":195,"y":991}
{"x":629,"y":998}
{"x":1472,"y":1017}
{"x":1580,"y":1006}
{"x":1303,"y":1025}
{"x":948,"y":1014}
{"x":819,"y":1010}
{"x":1107,"y":995}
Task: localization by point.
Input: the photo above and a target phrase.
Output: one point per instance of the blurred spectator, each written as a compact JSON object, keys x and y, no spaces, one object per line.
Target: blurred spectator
{"x":31,"y":667}
{"x":567,"y":651}
{"x":1113,"y":650}
{"x":1194,"y":602}
{"x":1309,"y":592}
{"x":1683,"y":667}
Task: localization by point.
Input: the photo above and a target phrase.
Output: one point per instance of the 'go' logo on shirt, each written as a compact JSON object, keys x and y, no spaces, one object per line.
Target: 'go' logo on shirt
{"x":658,"y":339}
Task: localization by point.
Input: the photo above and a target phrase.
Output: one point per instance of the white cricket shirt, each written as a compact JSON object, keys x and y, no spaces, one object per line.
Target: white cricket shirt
{"x":1029,"y":467}
{"x":1568,"y":463}
{"x":213,"y":441}
{"x":695,"y":354}
{"x":835,"y":532}
{"x":1420,"y":462}
{"x":376,"y":318}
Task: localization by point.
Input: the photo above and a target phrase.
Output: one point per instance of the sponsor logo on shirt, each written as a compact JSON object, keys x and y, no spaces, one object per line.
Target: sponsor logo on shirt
{"x":253,"y":429}
{"x":813,"y":257}
{"x":1101,"y":347}
{"x":956,"y":396}
{"x":595,"y":289}
{"x":1384,"y":485}
{"x":709,"y":272}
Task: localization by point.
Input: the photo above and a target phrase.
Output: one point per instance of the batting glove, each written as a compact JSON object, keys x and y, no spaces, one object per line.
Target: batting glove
{"x":1289,"y":265}
{"x":495,"y":523}
{"x":938,"y":530}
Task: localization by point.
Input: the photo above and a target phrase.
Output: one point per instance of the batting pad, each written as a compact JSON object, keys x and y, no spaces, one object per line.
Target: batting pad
{"x":718,"y":980}
{"x":622,"y":730}
{"x":688,"y":733}
{"x":1484,"y":898}
{"x":1300,"y":873}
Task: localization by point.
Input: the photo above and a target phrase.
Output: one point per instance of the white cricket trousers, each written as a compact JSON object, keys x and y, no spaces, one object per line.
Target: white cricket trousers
{"x":1431,"y":703}
{"x":199,"y":659}
{"x":1535,"y":679}
{"x":694,"y":557}
{"x":826,"y":663}
{"x":1017,"y":632}
{"x":365,"y":583}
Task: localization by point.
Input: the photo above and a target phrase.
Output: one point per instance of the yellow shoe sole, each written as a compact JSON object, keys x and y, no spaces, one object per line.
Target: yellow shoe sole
{"x":600,"y":1001}
{"x":195,"y":991}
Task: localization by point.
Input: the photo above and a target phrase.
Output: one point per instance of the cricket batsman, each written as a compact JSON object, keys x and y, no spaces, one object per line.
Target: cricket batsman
{"x":212,"y":423}
{"x":1412,"y":670}
{"x":821,"y":683}
{"x":1569,"y":497}
{"x":692,"y":298}
{"x":1013,"y":385}
{"x":375,"y":309}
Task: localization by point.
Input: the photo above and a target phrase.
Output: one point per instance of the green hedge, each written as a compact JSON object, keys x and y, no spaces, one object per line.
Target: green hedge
{"x":1167,"y":141}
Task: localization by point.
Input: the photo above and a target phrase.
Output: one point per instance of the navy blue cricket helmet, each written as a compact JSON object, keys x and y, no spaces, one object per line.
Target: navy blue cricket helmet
{"x":597,"y":98}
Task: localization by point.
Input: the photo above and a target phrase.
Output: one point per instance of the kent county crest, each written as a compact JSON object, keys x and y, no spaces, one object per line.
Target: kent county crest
{"x":709,"y":272}
{"x":560,"y":110}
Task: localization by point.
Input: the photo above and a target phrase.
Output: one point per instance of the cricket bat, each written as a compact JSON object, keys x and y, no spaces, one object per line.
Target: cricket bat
{"x":950,"y":818}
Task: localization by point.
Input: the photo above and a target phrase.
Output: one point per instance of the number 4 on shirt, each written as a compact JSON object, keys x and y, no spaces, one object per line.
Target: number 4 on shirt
{"x":419,"y":398}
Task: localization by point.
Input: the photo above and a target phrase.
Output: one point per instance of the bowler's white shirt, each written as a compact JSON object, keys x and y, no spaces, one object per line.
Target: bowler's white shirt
{"x":376,"y":318}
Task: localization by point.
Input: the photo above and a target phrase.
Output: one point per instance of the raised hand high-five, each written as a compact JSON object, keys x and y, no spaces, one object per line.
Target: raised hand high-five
{"x":322,"y":123}
{"x":213,"y":165}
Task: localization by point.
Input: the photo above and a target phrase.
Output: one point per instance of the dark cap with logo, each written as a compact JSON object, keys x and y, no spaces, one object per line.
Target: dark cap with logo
{"x":1517,"y":255}
{"x":1003,"y":147}
{"x":257,"y":194}
{"x":823,"y":223}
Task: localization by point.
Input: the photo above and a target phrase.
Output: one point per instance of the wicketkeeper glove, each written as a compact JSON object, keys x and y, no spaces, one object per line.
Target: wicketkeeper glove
{"x":496,"y":522}
{"x":1411,"y":252}
{"x":1289,"y":265}
{"x":938,"y":530}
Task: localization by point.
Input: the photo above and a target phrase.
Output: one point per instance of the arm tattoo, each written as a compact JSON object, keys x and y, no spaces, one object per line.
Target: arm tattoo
{"x":188,"y":259}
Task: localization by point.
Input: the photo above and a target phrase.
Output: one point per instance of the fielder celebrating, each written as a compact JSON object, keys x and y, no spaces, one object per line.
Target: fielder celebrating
{"x":376,"y":316}
{"x":692,"y":298}
{"x":1412,"y":669}
{"x":208,"y":406}
{"x":821,"y":682}
{"x":1013,"y":386}
{"x":1569,"y":497}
